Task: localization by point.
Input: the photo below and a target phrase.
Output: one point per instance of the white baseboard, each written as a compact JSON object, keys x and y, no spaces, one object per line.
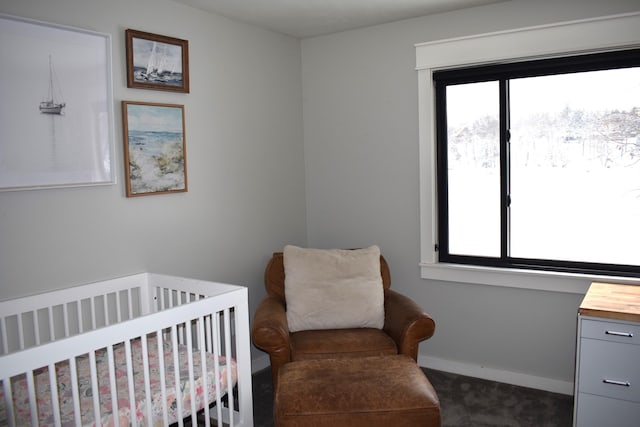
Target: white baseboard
{"x":260,"y":363}
{"x":508,"y":377}
{"x":467,"y":369}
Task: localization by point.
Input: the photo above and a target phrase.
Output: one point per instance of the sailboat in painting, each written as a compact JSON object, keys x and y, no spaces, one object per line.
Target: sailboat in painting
{"x":160,"y":68}
{"x":50,"y":106}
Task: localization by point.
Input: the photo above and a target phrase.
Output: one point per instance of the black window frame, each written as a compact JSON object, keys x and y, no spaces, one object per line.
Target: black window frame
{"x":502,"y":72}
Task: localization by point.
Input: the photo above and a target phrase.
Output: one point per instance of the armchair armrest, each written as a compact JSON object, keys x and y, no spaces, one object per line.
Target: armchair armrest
{"x":270,"y":332}
{"x":406,"y":323}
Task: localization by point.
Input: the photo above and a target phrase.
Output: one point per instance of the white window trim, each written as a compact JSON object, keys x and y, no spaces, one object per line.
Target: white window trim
{"x":592,"y":35}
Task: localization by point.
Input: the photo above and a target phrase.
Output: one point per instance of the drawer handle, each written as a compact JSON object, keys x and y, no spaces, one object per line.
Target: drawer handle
{"x":614,"y":382}
{"x":620,"y":334}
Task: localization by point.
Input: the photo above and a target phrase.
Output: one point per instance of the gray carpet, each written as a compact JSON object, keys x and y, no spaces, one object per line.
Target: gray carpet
{"x":464,"y":401}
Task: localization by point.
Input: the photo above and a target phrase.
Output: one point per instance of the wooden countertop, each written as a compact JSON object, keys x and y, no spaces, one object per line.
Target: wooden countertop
{"x":612,"y":301}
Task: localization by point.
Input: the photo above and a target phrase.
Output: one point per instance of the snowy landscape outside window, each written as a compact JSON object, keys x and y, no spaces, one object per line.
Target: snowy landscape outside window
{"x":539,"y":164}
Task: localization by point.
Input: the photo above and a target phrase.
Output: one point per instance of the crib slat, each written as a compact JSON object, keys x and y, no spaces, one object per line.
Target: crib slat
{"x":3,"y":329}
{"x":118,"y":308}
{"x":192,"y":384}
{"x":227,"y":341}
{"x":210,"y":347}
{"x":55,"y":402}
{"x":207,"y":332}
{"x":74,"y":391}
{"x":176,"y":367}
{"x":204,"y":370}
{"x":163,"y":377}
{"x":115,"y":411}
{"x":8,"y":401}
{"x":147,"y":383}
{"x":216,"y":365}
{"x":132,"y":392}
{"x":105,"y":303}
{"x":94,"y":387}
{"x":93,"y":313}
{"x":33,"y":407}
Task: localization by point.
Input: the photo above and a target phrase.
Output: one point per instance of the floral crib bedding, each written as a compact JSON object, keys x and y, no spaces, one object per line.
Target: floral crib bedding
{"x":125,"y":414}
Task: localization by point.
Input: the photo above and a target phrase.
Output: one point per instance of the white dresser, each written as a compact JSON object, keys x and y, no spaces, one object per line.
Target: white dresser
{"x":607,"y":383}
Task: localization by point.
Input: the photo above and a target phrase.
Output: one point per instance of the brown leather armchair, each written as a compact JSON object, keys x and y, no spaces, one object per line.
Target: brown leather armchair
{"x":405,"y":326}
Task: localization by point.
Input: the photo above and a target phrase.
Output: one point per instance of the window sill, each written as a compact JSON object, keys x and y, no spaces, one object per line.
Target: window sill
{"x":514,"y":278}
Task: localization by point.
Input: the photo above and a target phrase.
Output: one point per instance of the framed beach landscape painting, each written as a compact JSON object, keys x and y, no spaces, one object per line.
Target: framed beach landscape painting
{"x":157,"y":62}
{"x":56,"y":106}
{"x":154,"y":148}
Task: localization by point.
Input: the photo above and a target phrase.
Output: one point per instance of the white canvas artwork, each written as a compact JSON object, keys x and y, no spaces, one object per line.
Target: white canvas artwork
{"x":56,"y":108}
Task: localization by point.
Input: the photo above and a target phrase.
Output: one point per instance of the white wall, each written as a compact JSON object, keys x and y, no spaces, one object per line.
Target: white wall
{"x":361,"y":153}
{"x":244,"y":157}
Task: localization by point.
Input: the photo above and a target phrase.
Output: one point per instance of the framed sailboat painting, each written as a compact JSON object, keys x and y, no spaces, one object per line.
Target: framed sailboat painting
{"x":56,"y":102}
{"x":157,"y":62}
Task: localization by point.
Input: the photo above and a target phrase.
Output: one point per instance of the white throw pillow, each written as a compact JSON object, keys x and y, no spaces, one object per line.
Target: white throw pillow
{"x":333,"y":288}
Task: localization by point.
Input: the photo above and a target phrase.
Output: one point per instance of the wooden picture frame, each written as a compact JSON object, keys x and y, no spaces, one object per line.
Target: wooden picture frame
{"x":56,"y":125}
{"x":155,"y":154}
{"x":157,"y":62}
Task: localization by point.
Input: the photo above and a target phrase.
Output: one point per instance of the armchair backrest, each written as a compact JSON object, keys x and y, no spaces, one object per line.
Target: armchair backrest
{"x":274,"y":275}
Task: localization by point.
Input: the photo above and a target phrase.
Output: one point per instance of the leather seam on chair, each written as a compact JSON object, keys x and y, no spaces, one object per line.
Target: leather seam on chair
{"x":363,"y":412}
{"x":341,"y":354}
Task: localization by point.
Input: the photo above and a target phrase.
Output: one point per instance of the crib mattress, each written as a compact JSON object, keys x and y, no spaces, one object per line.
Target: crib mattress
{"x":125,"y":414}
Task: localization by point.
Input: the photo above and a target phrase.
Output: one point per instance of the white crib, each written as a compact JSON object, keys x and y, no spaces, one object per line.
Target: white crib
{"x":146,"y":349}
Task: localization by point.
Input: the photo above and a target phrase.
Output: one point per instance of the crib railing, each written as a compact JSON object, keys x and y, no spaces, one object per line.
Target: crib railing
{"x":39,"y":319}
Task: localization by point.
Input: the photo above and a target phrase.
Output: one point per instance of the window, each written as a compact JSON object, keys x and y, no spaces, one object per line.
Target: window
{"x":538,"y":164}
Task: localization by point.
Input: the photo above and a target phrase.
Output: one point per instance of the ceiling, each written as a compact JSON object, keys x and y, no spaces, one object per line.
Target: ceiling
{"x":308,"y":18}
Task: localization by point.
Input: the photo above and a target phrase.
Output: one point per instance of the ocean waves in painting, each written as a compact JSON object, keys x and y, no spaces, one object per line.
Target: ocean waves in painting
{"x":156,"y":161}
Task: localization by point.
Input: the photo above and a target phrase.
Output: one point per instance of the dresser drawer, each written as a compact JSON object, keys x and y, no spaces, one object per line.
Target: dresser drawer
{"x":597,"y":411}
{"x":609,"y":369}
{"x":628,"y":333}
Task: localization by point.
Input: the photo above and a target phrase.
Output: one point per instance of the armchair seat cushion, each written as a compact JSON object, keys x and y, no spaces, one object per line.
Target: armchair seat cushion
{"x":341,"y":343}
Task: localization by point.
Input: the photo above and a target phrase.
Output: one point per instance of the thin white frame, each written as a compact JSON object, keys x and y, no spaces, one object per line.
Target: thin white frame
{"x":63,"y":146}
